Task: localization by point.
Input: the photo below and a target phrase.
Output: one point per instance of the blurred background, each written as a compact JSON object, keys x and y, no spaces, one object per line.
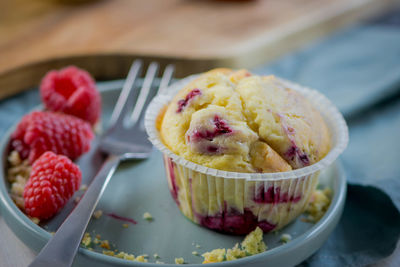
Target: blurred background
{"x":103,"y":36}
{"x":347,"y":49}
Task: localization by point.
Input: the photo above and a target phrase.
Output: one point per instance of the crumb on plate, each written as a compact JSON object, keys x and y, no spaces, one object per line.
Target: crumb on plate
{"x":318,"y":205}
{"x":286,"y":238}
{"x":147,"y":216}
{"x":179,"y":261}
{"x":195,"y":253}
{"x":97,"y":214}
{"x":86,"y":240}
{"x":252,"y":244}
{"x":105,"y":244}
{"x":83,"y":187}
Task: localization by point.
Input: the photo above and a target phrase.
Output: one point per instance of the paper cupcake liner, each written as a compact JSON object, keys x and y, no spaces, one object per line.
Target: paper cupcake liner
{"x":237,"y":202}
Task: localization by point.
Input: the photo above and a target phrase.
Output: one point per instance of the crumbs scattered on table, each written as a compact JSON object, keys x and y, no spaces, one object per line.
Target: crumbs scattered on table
{"x":160,"y":262}
{"x":179,"y":261}
{"x":147,"y":216}
{"x":156,"y":256}
{"x":286,"y":238}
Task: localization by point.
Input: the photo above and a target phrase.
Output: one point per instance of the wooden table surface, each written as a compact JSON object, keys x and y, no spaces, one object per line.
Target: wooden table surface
{"x":103,"y":36}
{"x":14,"y":253}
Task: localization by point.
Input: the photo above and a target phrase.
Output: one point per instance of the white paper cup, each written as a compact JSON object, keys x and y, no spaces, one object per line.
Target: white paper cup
{"x":235,"y":202}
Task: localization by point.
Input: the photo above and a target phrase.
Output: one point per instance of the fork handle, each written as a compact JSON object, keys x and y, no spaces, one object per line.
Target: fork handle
{"x":62,"y":247}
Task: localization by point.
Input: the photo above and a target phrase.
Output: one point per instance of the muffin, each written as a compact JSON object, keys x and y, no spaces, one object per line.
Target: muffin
{"x":223,"y":134}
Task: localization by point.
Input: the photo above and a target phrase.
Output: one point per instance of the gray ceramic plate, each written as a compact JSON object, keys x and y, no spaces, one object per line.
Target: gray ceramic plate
{"x":139,"y":187}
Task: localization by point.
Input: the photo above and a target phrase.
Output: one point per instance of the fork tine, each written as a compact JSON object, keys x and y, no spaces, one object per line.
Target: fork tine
{"x":166,"y":78}
{"x":121,"y":108}
{"x":144,"y":92}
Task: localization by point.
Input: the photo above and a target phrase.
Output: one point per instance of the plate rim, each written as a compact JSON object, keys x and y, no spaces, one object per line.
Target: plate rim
{"x":8,"y":208}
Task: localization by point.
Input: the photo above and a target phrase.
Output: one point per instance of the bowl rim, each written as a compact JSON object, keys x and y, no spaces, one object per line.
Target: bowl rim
{"x":18,"y":220}
{"x":327,"y":109}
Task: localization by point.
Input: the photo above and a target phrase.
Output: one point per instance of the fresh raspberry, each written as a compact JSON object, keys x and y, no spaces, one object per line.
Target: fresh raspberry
{"x":72,"y":91}
{"x":42,"y":131}
{"x":53,"y":181}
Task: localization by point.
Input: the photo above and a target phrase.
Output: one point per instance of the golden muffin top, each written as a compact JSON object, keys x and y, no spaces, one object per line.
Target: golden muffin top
{"x":236,"y":121}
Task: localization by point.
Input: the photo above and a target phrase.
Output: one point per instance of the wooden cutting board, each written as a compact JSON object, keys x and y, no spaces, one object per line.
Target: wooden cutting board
{"x":104,"y":36}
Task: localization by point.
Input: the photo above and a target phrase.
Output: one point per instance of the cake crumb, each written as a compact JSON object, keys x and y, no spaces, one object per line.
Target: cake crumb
{"x":77,"y":199}
{"x":156,"y":256}
{"x":14,"y":158}
{"x":195,"y":253}
{"x":147,"y":216}
{"x":179,"y":261}
{"x":97,"y":214}
{"x":235,"y":253}
{"x":252,"y":244}
{"x":109,"y":253}
{"x":141,"y":258}
{"x":18,"y":173}
{"x":83,"y":187}
{"x":216,"y":255}
{"x":286,"y":238}
{"x":86,"y":240}
{"x":198,"y":246}
{"x":125,"y":225}
{"x":105,"y":244}
{"x":160,"y":262}
{"x":318,"y":205}
{"x":35,"y":220}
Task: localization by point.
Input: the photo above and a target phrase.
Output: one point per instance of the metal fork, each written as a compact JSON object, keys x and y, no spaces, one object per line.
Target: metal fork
{"x":125,"y":139}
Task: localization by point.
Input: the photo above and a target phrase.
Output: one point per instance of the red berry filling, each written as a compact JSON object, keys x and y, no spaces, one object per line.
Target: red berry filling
{"x":174,"y":189}
{"x":220,"y":127}
{"x":235,"y":222}
{"x":295,"y":152}
{"x":184,"y":102}
{"x":273,"y":196}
